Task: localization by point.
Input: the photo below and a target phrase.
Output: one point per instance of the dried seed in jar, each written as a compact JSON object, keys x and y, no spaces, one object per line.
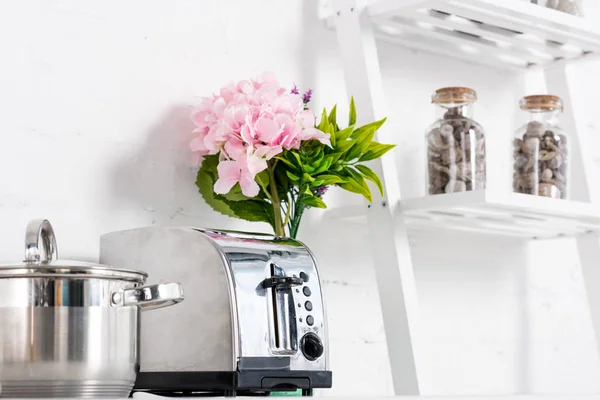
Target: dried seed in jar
{"x":455,"y":186}
{"x":561,"y":141}
{"x":563,"y":169}
{"x":534,"y":130}
{"x":530,"y":145}
{"x":435,"y":190}
{"x":438,"y":168}
{"x":439,"y":181}
{"x":555,"y":162}
{"x":527,"y":180}
{"x":547,"y":155}
{"x":530,"y":164}
{"x":517,"y":145}
{"x":479,"y":133}
{"x":450,"y":156}
{"x":432,"y":154}
{"x":463,"y":172}
{"x":520,"y":161}
{"x":561,"y":186}
{"x":468,"y":141}
{"x":435,"y":140}
{"x":457,"y":125}
{"x":459,"y":132}
{"x":547,"y":175}
{"x":480,"y":150}
{"x":446,"y":131}
{"x":452,"y":171}
{"x":549,"y":190}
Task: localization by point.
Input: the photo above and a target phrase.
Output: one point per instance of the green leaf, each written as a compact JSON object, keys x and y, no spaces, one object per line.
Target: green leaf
{"x":327,"y":180}
{"x":205,"y":181}
{"x":343,"y":134}
{"x":365,"y":128}
{"x":253,"y":210}
{"x":333,"y":119}
{"x":354,"y":187}
{"x":307,"y":178}
{"x":332,"y":115}
{"x":361,"y":145}
{"x":263,"y":181}
{"x":314,"y":201}
{"x":325,"y":166}
{"x":308,"y":169}
{"x":352,"y":114}
{"x":336,"y":157}
{"x":357,"y":181}
{"x":284,"y":183}
{"x":292,"y":176}
{"x":375,"y":150}
{"x":324,"y":123}
{"x":344,"y":146}
{"x":317,"y":158}
{"x":332,"y":131}
{"x":295,"y":157}
{"x":372,"y":176}
{"x":285,"y":161}
{"x":235,"y":194}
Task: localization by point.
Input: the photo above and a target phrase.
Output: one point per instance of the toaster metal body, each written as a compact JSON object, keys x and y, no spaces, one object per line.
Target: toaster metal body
{"x":253,"y":318}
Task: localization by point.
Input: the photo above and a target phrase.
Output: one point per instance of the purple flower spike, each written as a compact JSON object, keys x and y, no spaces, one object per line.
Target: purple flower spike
{"x":306,"y":96}
{"x":294,"y":90}
{"x":319,"y":192}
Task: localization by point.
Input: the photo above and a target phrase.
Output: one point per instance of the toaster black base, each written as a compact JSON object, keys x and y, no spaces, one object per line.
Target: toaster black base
{"x":231,"y":383}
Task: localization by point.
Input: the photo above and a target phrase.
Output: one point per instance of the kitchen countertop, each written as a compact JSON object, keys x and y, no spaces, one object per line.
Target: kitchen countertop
{"x":146,"y":396}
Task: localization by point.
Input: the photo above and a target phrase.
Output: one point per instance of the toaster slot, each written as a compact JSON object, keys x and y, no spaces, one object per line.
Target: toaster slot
{"x":284,"y":332}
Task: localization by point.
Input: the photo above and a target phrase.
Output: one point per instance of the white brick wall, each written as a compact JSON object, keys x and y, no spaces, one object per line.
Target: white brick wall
{"x":95,"y":98}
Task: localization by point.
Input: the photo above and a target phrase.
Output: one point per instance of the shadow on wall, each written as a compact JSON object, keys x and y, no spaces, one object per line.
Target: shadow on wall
{"x":156,"y":181}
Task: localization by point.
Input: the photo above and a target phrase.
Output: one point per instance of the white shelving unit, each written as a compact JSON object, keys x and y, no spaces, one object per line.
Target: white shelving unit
{"x":507,"y":214}
{"x":504,"y":34}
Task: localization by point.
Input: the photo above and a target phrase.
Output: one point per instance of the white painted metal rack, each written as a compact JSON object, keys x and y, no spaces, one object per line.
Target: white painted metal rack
{"x":506,"y":214}
{"x":507,"y":34}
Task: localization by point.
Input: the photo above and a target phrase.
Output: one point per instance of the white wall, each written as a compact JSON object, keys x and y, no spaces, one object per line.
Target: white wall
{"x":95,"y":99}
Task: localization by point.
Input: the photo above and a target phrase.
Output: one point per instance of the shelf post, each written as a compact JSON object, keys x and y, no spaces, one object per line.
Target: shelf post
{"x":387,"y":231}
{"x":584,"y":183}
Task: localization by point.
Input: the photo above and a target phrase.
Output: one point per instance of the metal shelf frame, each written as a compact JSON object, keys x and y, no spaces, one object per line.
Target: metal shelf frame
{"x":543,"y":38}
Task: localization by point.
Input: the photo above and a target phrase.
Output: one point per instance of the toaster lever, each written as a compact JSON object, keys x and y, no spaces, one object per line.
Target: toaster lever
{"x":282,"y":281}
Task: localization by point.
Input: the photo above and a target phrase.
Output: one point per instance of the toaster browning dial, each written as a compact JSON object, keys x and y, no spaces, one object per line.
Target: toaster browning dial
{"x":311,"y":346}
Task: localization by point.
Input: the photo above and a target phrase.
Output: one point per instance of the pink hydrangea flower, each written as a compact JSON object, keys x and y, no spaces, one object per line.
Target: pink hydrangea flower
{"x":248,"y":123}
{"x":232,"y":172}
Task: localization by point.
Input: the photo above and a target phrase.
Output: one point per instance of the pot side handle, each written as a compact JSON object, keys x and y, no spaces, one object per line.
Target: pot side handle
{"x":149,"y":297}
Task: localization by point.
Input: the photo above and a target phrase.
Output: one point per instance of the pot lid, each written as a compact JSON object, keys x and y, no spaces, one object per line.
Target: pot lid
{"x":41,"y":260}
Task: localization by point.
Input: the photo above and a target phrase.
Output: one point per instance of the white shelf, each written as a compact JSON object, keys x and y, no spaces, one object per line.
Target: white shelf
{"x":511,"y":214}
{"x":507,"y":33}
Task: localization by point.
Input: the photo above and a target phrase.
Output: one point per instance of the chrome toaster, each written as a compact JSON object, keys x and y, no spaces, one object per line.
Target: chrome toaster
{"x":253,"y":320}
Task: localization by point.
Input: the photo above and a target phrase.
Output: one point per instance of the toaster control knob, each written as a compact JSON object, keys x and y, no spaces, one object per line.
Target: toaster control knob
{"x":311,"y":346}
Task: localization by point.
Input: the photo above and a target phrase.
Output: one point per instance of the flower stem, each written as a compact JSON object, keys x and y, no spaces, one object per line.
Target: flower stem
{"x":298,"y":211}
{"x":287,"y":214}
{"x":279,"y":229}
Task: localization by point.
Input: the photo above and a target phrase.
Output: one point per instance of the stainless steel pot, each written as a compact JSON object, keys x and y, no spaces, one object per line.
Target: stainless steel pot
{"x":71,"y":329}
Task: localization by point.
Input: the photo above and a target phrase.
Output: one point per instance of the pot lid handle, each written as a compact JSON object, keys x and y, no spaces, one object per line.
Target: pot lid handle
{"x":36,"y":229}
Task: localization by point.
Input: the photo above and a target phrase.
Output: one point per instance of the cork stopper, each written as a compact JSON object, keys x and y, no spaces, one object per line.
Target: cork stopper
{"x":454,"y":95}
{"x":541,"y":103}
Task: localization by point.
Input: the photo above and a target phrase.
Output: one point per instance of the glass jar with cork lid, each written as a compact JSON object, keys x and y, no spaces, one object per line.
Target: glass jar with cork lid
{"x":455,"y":144}
{"x":540,"y":150}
